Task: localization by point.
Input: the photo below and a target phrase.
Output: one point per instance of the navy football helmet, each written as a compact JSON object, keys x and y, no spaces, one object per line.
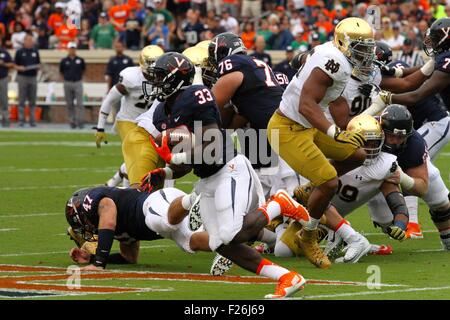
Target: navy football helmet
{"x":223,"y":45}
{"x":437,"y":39}
{"x":79,"y":216}
{"x":396,"y":120}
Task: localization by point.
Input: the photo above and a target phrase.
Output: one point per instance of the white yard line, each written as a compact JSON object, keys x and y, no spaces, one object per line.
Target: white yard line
{"x":8,"y":229}
{"x":30,"y":215}
{"x":54,"y":143}
{"x":23,"y":254}
{"x":373,"y":292}
{"x":381,"y":233}
{"x":91,"y":169}
{"x":42,"y":187}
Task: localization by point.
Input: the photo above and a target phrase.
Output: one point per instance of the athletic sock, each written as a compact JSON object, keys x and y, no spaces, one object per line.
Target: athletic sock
{"x":344,"y":230}
{"x":268,"y":237}
{"x":271,"y":210}
{"x":412,"y":203}
{"x":270,"y":270}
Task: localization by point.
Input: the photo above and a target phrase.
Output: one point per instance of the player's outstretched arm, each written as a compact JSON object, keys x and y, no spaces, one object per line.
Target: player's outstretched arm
{"x":410,"y":82}
{"x":435,"y":84}
{"x":399,"y":209}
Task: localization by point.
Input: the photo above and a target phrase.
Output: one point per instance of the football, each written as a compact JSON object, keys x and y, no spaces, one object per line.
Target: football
{"x":179,"y":136}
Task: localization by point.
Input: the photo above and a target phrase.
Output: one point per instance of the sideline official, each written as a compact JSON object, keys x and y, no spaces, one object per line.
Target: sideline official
{"x":27,"y":62}
{"x":72,"y":68}
{"x":5,"y":64}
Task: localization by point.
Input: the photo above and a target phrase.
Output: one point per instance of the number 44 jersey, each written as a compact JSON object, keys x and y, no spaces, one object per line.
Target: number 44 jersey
{"x":358,"y":186}
{"x":133,"y":104}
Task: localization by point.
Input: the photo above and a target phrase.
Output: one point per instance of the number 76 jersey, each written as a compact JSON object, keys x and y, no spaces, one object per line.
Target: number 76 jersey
{"x":360,"y":185}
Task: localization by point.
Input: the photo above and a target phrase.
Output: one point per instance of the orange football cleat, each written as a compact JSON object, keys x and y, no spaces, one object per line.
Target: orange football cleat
{"x":413,"y":231}
{"x":291,"y":208}
{"x":287,"y":285}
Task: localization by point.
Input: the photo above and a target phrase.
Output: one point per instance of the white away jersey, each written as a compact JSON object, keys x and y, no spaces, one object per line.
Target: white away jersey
{"x":330,"y":60}
{"x":358,"y":186}
{"x":133,"y":104}
{"x":145,"y":120}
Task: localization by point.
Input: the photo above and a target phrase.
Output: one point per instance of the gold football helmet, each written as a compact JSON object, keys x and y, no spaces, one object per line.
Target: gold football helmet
{"x":199,"y":57}
{"x":203,"y":44}
{"x":149,"y":55}
{"x":354,"y":37}
{"x":371,"y":129}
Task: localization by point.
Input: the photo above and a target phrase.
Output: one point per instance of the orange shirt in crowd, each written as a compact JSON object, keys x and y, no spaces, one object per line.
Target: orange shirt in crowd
{"x":55,"y":21}
{"x":326,"y":25}
{"x":133,"y":3}
{"x":249,"y":39}
{"x":65,"y":35}
{"x":311,"y":3}
{"x":119,"y":14}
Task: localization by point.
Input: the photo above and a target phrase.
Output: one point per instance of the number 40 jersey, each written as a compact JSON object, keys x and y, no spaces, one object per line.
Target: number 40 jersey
{"x":133,"y":104}
{"x":360,"y":185}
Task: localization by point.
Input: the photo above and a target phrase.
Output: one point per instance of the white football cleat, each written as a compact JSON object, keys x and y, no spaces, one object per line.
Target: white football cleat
{"x":220,"y":265}
{"x":335,"y":244}
{"x":195,"y":220}
{"x":358,"y":247}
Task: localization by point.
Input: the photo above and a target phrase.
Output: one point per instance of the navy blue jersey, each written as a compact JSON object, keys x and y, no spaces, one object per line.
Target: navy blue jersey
{"x":195,"y":103}
{"x":415,"y":153}
{"x":282,"y":79}
{"x":259,"y":94}
{"x":443,"y":64}
{"x":130,"y":223}
{"x":426,"y":110}
{"x":285,"y":67}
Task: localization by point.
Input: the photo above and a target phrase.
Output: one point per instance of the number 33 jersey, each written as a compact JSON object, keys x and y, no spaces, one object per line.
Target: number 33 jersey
{"x":133,"y":104}
{"x":358,"y":186}
{"x":330,"y":60}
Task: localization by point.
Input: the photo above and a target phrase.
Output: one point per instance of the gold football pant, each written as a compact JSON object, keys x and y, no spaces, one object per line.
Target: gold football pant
{"x":306,"y":149}
{"x":124,"y":127}
{"x":139,"y":155}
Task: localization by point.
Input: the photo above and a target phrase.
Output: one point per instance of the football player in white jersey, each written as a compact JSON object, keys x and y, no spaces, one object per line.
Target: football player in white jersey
{"x":306,"y":137}
{"x":356,"y":188}
{"x":129,"y":91}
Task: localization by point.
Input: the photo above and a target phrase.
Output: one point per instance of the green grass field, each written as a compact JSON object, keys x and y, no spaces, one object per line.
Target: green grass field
{"x":40,"y":170}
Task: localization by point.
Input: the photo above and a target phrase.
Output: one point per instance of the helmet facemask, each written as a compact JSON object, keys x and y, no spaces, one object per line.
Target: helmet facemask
{"x":361,"y":54}
{"x":80,"y":223}
{"x":373,"y":145}
{"x":429,"y":44}
{"x":164,"y":85}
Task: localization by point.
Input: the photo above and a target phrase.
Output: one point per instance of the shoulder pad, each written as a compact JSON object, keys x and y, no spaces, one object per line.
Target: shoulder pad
{"x":233,"y":63}
{"x":131,"y":77}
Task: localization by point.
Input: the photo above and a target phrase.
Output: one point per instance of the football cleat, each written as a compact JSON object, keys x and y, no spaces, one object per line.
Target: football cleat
{"x":334,"y":246}
{"x":291,"y":208}
{"x":220,"y":265}
{"x":357,"y":247}
{"x":307,"y":241}
{"x":302,"y":193}
{"x":195,"y":220}
{"x":413,"y":231}
{"x":287,"y":285}
{"x":381,"y":250}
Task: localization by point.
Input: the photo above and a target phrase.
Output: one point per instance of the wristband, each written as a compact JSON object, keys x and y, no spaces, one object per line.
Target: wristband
{"x":428,"y":68}
{"x":331,"y":131}
{"x":168,"y":173}
{"x":398,"y":72}
{"x":406,"y":181}
{"x":400,"y":224}
{"x":105,"y":241}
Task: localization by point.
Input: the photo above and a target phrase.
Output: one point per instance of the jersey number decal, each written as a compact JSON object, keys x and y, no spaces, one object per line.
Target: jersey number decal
{"x":142,"y":104}
{"x":359,"y":104}
{"x":347,"y":193}
{"x":203,"y":96}
{"x":87,"y":203}
{"x":447,"y":61}
{"x":267,"y":71}
{"x":225,"y":66}
{"x":282,"y":78}
{"x":332,"y":66}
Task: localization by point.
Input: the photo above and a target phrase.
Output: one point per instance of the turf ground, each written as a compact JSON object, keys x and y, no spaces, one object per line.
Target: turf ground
{"x":40,"y":170}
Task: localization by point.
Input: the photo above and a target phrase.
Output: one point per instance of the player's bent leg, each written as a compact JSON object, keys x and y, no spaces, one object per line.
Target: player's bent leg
{"x":139,"y":155}
{"x":436,"y":134}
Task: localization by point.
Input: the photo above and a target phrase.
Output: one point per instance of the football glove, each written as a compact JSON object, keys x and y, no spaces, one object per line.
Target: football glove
{"x":391,"y":71}
{"x":100,"y":136}
{"x":379,"y":102}
{"x":152,"y":180}
{"x":163,"y":150}
{"x":353,"y":138}
{"x":396,"y":232}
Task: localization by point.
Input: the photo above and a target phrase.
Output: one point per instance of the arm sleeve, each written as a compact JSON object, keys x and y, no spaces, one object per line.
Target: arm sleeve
{"x":111,"y":99}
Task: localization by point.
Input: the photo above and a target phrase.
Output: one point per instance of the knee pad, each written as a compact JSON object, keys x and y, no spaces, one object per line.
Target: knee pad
{"x":440,"y":216}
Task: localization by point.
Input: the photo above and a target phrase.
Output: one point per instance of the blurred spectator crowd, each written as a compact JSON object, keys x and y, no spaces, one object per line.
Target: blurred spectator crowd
{"x":177,"y":24}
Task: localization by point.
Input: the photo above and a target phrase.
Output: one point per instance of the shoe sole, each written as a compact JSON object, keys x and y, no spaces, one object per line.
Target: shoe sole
{"x":289,"y":291}
{"x":195,"y":220}
{"x":288,"y":198}
{"x":415,"y":236}
{"x":362,"y":254}
{"x":220,"y":266}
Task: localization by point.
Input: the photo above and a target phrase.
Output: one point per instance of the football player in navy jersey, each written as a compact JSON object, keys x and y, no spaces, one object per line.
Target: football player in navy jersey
{"x":437,"y":44}
{"x":282,"y":79}
{"x":231,"y":194}
{"x":416,"y":174}
{"x":128,"y":216}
